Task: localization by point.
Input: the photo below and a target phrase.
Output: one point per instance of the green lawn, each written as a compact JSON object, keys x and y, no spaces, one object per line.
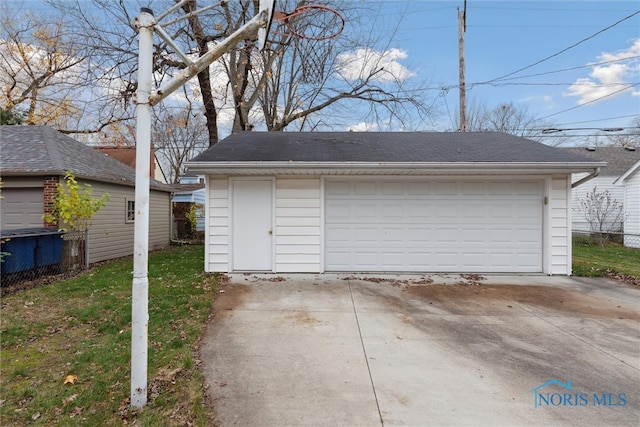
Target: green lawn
{"x":590,"y":259}
{"x":79,"y":329}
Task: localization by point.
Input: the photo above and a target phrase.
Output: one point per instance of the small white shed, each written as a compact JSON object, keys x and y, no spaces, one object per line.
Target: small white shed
{"x":417,"y":202}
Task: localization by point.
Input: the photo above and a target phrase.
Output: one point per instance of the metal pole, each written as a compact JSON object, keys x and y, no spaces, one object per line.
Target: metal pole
{"x":204,"y":61}
{"x":140,"y":286}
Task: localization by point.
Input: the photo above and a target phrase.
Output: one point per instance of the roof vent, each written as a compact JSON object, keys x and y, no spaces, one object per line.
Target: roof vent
{"x":629,"y":148}
{"x":590,"y":148}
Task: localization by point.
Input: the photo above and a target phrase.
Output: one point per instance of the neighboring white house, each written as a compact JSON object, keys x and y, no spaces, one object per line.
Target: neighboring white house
{"x":630,"y":181}
{"x":620,"y":162}
{"x":483,"y":202}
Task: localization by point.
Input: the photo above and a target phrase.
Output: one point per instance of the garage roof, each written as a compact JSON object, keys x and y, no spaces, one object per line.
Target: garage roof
{"x":41,"y":150}
{"x":619,"y":159}
{"x":385,"y":149}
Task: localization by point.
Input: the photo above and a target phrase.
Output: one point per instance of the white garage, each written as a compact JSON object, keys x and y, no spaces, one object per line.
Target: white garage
{"x":388,"y":202}
{"x":442,"y":225}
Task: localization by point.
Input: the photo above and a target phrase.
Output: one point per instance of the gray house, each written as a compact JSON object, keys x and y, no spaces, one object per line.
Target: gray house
{"x":483,"y":202}
{"x":34,"y":161}
{"x":620,"y":178}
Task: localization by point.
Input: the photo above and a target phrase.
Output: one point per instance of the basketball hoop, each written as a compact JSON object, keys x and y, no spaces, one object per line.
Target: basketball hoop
{"x":311,"y":26}
{"x":313,"y":22}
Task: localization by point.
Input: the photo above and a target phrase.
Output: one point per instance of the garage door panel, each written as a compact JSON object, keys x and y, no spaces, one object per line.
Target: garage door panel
{"x":392,"y":211}
{"x":441,"y":225}
{"x":365,"y":188}
{"x":22,"y":208}
{"x":445,"y":188}
{"x":391,"y":188}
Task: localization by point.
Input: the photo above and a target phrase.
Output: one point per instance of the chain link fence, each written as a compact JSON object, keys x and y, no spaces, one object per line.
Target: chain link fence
{"x":626,"y":239}
{"x":29,"y":254}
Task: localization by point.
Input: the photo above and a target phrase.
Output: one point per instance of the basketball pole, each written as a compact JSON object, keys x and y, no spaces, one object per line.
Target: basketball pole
{"x":144,"y":99}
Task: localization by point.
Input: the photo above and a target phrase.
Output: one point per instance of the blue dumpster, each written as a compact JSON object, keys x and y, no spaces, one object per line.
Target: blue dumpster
{"x":21,"y":247}
{"x":29,"y":249}
{"x":48,"y":249}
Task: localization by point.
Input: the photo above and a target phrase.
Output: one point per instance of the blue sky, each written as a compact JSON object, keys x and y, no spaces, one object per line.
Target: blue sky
{"x":505,"y":36}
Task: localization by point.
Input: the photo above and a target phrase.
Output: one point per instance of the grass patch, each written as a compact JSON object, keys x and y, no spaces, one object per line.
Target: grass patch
{"x":82,"y":327}
{"x":591,"y":259}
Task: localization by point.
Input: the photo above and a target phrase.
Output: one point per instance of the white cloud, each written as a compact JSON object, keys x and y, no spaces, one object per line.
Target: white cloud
{"x":609,"y":79}
{"x":365,"y":61}
{"x":364,"y":127}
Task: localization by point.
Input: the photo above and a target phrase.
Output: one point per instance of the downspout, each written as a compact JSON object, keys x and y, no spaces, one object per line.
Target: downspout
{"x":589,"y":177}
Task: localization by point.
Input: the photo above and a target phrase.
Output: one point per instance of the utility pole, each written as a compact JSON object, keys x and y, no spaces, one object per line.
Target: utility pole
{"x":462,"y":28}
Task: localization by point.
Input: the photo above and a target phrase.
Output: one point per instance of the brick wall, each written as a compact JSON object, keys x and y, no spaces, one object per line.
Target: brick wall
{"x":50,"y":193}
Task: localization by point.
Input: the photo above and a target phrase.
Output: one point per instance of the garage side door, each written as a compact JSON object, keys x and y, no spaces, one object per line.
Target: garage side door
{"x":433,"y":226}
{"x":22,"y":208}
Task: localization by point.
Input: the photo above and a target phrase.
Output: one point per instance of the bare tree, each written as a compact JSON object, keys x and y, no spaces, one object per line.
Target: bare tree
{"x":512,"y":119}
{"x":628,"y":138}
{"x":604,"y":214}
{"x":306,"y":84}
{"x":49,"y":76}
{"x":178,"y":134}
{"x":272,"y":89}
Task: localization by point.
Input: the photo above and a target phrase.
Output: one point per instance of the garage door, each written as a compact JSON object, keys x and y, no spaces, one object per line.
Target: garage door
{"x":22,"y":208}
{"x":465,"y":225}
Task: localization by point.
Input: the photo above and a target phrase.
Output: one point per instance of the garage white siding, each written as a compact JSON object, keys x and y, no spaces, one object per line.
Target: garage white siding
{"x":298,"y":222}
{"x":217,"y":255}
{"x":436,"y":225}
{"x":560,"y":225}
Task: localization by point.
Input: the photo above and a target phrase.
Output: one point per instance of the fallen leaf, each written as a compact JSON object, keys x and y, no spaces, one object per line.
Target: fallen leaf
{"x":70,"y":379}
{"x":35,"y":416}
{"x":69,"y":399}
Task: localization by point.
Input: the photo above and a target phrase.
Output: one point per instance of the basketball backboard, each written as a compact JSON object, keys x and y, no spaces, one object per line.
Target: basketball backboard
{"x":267,"y":6}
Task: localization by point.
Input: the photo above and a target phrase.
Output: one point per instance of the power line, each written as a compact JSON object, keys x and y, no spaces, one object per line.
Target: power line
{"x":600,"y":120}
{"x":592,"y":101}
{"x":563,"y":50}
{"x":614,"y":84}
{"x":593,"y":64}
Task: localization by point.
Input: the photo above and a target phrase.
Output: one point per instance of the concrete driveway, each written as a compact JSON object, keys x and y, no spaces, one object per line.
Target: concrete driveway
{"x":332,"y":350}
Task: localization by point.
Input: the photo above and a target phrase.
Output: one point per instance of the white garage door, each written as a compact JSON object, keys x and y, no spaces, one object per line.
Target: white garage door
{"x":469,"y":225}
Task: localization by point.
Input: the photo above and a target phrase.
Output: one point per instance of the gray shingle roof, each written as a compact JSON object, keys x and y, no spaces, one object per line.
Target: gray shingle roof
{"x":427,"y":147}
{"x":38,"y":150}
{"x":618,"y":159}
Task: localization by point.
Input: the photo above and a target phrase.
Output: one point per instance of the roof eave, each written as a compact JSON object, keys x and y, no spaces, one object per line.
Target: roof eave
{"x":413,"y":168}
{"x":627,"y":173}
{"x":106,"y":180}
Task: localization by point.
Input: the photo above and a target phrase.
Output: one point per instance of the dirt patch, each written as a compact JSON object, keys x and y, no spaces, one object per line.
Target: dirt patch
{"x":303,"y":317}
{"x":453,"y":298}
{"x":228,"y":297}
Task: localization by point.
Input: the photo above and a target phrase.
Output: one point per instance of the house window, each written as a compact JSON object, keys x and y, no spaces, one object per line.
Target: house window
{"x":131,"y":211}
